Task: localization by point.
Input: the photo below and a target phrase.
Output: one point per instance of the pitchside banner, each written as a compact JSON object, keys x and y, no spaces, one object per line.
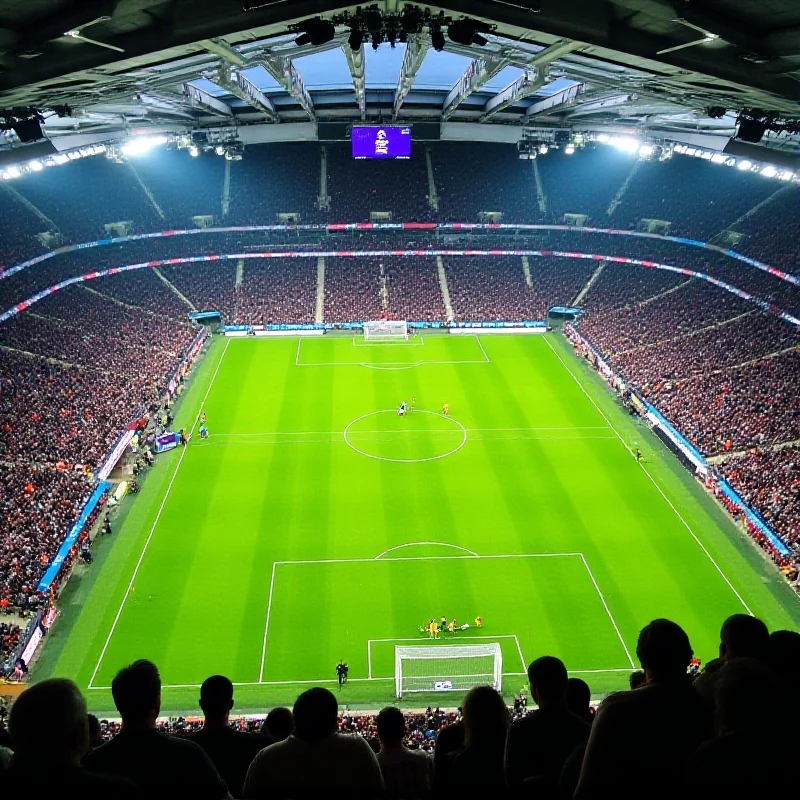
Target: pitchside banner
{"x":72,"y":536}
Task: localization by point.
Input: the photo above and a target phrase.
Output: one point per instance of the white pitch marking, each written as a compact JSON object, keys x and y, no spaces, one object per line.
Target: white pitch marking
{"x":297,"y":355}
{"x":405,"y":460}
{"x":153,"y":528}
{"x":653,"y":481}
{"x":438,"y":544}
{"x":480,"y":344}
{"x":608,"y":611}
{"x":428,"y":558}
{"x":266,"y":626}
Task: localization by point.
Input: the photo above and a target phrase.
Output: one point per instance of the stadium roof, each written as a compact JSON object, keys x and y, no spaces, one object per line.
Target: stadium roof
{"x":654,"y":66}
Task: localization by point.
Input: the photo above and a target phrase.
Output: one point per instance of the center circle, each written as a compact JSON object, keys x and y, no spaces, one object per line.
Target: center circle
{"x":417,"y":436}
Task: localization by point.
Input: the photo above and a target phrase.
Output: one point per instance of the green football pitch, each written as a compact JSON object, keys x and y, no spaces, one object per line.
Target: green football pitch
{"x":315,"y":524}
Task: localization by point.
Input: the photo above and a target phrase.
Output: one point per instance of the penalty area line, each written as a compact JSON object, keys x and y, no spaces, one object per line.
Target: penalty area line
{"x":653,"y":481}
{"x":153,"y":528}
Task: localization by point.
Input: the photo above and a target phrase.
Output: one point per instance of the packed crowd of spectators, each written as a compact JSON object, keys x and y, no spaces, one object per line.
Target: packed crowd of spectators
{"x":274,"y":291}
{"x":359,"y":187}
{"x":72,"y":377}
{"x":9,"y":639}
{"x":769,"y":481}
{"x":497,"y":288}
{"x":682,"y":728}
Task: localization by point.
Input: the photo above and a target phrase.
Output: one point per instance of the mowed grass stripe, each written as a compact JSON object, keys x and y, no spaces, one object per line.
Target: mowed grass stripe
{"x":235,"y":510}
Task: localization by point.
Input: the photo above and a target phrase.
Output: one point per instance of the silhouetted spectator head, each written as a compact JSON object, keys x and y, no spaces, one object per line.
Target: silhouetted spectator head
{"x":391,"y":725}
{"x":743,"y":636}
{"x":664,"y":650}
{"x":579,"y":698}
{"x":783,"y":655}
{"x":279,"y":723}
{"x":485,"y":716}
{"x":136,"y":690}
{"x":748,"y":698}
{"x":636,"y":679}
{"x":216,"y":697}
{"x":95,"y":731}
{"x":315,"y":715}
{"x":48,"y":722}
{"x":548,"y":679}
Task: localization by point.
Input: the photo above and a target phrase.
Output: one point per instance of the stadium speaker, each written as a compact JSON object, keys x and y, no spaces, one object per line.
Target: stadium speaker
{"x":751,"y":130}
{"x":29,"y":130}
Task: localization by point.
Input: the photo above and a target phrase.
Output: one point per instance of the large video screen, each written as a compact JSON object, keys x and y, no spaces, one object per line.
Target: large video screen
{"x":381,"y":142}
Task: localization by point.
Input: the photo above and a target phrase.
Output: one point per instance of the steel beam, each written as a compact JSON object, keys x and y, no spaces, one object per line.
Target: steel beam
{"x":199,"y":98}
{"x":355,"y":62}
{"x":234,"y":82}
{"x":416,"y":50}
{"x":479,"y":72}
{"x":282,"y":69}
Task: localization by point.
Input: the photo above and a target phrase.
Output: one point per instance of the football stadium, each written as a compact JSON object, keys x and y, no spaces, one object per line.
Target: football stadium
{"x":398,"y":400}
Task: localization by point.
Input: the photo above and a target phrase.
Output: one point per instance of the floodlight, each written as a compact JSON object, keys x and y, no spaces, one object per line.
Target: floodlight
{"x":316,"y":32}
{"x":690,"y":151}
{"x":36,"y":166}
{"x":731,"y":162}
{"x":769,"y":172}
{"x":569,"y":149}
{"x":13,"y":172}
{"x":139,"y":146}
{"x":745,"y":165}
{"x":465,"y":32}
{"x":786,"y":176}
{"x":718,"y":158}
{"x":543,"y":148}
{"x":626,"y":144}
{"x":680,"y":149}
{"x":355,"y":40}
{"x":73,"y":155}
{"x":646,"y":150}
{"x":219,"y":150}
{"x":604,"y":138}
{"x":194,"y":152}
{"x":60,"y":159}
{"x":707,"y":155}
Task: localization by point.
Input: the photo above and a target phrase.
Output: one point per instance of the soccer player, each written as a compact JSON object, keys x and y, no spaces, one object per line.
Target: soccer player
{"x":413,"y":404}
{"x":478,"y":622}
{"x":451,"y":628}
{"x":203,"y":431}
{"x":432,"y":629}
{"x":403,"y":408}
{"x":341,"y":672}
{"x":443,"y":626}
{"x":638,"y":455}
{"x":203,"y":418}
{"x":445,"y":409}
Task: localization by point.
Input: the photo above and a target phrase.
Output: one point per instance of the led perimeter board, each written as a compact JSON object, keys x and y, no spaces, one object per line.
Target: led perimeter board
{"x":381,"y":142}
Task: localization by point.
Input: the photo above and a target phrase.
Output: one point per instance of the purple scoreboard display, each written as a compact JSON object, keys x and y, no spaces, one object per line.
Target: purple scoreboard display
{"x":381,"y":142}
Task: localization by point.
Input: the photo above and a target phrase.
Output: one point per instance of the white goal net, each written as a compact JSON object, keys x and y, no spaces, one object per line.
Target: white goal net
{"x":384,"y":330}
{"x":447,"y":668}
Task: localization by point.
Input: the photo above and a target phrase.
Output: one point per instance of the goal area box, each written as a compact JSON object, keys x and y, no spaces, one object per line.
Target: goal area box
{"x":384,"y":330}
{"x":447,"y":668}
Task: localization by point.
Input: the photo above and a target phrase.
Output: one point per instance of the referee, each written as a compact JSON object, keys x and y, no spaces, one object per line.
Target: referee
{"x":341,"y":672}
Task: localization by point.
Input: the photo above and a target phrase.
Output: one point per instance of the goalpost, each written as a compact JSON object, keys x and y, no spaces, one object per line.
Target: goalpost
{"x":384,"y":330}
{"x":447,"y":668}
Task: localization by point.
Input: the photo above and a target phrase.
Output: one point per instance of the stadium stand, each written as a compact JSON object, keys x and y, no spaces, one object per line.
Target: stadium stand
{"x":275,"y":179}
{"x":567,"y":190}
{"x":358,"y":188}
